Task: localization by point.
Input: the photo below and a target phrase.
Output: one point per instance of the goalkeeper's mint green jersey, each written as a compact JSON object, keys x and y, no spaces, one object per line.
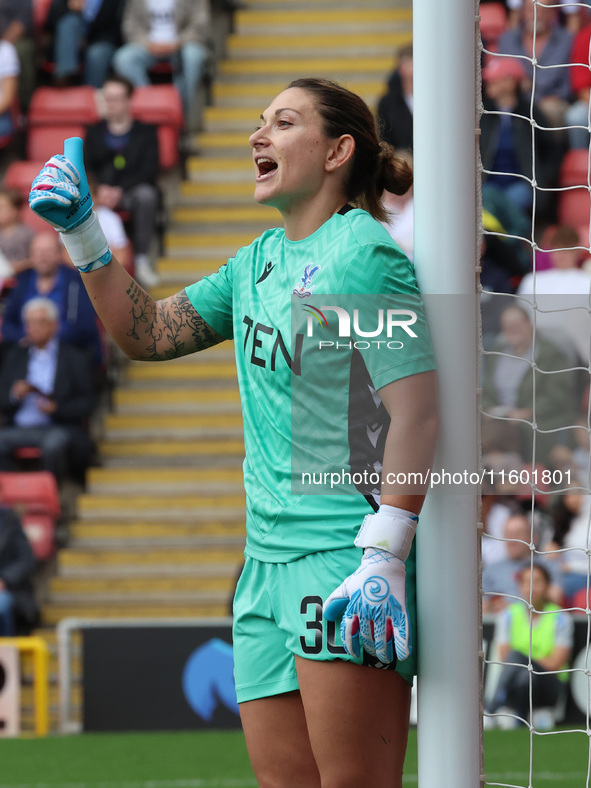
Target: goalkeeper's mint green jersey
{"x":252,"y":299}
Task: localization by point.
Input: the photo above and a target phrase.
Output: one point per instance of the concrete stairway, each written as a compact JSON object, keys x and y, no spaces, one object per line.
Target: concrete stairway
{"x":160,"y":530}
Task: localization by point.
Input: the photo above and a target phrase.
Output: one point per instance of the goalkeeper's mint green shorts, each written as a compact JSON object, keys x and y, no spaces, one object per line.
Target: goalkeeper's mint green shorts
{"x":278,"y":615}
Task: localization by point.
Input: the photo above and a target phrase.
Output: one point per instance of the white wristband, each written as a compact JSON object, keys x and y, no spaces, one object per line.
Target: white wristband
{"x":391,"y":529}
{"x":87,"y":245}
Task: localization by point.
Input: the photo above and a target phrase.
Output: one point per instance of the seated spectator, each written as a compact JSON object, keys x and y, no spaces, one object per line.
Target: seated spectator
{"x":580,"y":80}
{"x":496,"y":510}
{"x":51,"y":278}
{"x":562,"y":294}
{"x":171,"y":31}
{"x":121,"y":154}
{"x":547,"y":634}
{"x":572,"y":540}
{"x":539,"y":21}
{"x":17,"y":567}
{"x":395,"y":108}
{"x":87,"y":28}
{"x":506,"y":139}
{"x":16,"y":23}
{"x":500,"y":579}
{"x":573,"y":14}
{"x":15,"y":235}
{"x":46,"y":396}
{"x":9,"y":74}
{"x":112,"y":225}
{"x":508,"y":386}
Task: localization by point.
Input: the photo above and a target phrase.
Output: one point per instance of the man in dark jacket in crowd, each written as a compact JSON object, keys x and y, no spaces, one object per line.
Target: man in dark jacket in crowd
{"x":395,"y":108}
{"x":122,"y":154}
{"x":46,"y":395}
{"x":91,"y":27}
{"x":17,"y":565}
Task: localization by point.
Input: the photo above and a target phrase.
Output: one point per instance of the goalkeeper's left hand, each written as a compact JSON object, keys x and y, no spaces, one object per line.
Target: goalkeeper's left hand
{"x":373,"y":599}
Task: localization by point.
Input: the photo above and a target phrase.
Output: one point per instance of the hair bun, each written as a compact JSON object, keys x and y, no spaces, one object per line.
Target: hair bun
{"x":394,"y":172}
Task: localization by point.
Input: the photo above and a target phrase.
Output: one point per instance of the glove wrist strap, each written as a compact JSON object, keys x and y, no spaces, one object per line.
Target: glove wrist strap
{"x":87,"y":245}
{"x":391,"y":529}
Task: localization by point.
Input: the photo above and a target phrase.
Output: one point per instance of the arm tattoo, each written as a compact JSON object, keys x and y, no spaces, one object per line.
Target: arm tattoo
{"x":173,"y":327}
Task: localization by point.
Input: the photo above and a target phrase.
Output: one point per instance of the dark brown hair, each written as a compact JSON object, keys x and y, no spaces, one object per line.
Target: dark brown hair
{"x":375,"y":164}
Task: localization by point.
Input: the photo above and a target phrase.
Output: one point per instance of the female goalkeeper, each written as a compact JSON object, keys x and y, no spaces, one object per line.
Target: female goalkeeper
{"x":315,"y":710}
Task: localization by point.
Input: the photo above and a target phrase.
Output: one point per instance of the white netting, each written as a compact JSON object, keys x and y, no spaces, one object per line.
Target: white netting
{"x":536,"y":428}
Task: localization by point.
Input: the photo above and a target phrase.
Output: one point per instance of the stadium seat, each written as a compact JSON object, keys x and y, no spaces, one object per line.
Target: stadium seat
{"x":35,"y":497}
{"x":44,"y":141}
{"x":20,"y":174}
{"x":40,"y":13}
{"x":574,"y":207}
{"x":162,"y":106}
{"x":574,"y":169}
{"x":59,"y":106}
{"x":493,"y":23}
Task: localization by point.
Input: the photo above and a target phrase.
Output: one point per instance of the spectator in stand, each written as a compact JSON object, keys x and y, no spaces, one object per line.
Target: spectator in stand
{"x":171,"y":31}
{"x":17,"y":567}
{"x":571,"y":514}
{"x":395,"y":109}
{"x":539,"y":22}
{"x":50,"y":277}
{"x":9,"y":75}
{"x":122,"y":155}
{"x":562,"y":294}
{"x":500,"y":579}
{"x":572,"y":13}
{"x":506,"y":139}
{"x":46,"y":395}
{"x":16,"y":24}
{"x":580,"y":79}
{"x":112,"y":225}
{"x":15,"y":235}
{"x":508,"y":384}
{"x":88,"y":27}
{"x":544,"y":635}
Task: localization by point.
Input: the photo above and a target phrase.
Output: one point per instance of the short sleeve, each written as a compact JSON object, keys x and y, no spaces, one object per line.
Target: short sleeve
{"x":381,"y":277}
{"x":9,"y":64}
{"x":212,"y":298}
{"x":565,"y":628}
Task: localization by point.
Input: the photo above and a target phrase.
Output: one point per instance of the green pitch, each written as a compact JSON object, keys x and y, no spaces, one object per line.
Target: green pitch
{"x":219,"y":760}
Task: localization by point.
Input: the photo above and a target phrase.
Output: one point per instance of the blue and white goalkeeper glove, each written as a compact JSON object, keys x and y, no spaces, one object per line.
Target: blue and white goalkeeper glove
{"x":372,"y":600}
{"x":60,"y":195}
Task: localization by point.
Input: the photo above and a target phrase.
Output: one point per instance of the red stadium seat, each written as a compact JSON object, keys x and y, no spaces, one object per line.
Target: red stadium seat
{"x":20,"y":174}
{"x":40,"y":13}
{"x":574,"y":207}
{"x":59,"y":106}
{"x":162,"y":106}
{"x":35,"y":497}
{"x":44,"y":141}
{"x":574,"y":169}
{"x":493,"y":23}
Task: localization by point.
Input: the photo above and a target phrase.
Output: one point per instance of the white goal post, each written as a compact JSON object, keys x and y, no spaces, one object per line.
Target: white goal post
{"x":446,"y":240}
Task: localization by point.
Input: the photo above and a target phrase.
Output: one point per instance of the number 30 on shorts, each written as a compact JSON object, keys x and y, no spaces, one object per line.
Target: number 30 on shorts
{"x":311,"y":607}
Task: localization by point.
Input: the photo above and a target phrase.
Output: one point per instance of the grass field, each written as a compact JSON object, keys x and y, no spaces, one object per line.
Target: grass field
{"x":219,"y":760}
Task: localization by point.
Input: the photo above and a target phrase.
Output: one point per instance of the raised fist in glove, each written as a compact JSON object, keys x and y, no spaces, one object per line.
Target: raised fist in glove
{"x":60,"y":195}
{"x":372,"y":600}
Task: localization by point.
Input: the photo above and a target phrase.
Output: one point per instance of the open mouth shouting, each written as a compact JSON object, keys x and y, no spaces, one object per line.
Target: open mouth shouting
{"x":265,"y":168}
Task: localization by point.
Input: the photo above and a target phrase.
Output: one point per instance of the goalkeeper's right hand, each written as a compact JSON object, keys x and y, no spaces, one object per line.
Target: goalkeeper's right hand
{"x":60,"y":195}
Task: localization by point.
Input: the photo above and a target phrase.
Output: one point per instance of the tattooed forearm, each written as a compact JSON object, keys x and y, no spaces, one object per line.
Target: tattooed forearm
{"x":169,"y":328}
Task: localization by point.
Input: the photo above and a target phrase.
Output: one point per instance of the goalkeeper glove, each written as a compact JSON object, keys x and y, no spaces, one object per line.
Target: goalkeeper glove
{"x":60,"y":195}
{"x":372,"y":600}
